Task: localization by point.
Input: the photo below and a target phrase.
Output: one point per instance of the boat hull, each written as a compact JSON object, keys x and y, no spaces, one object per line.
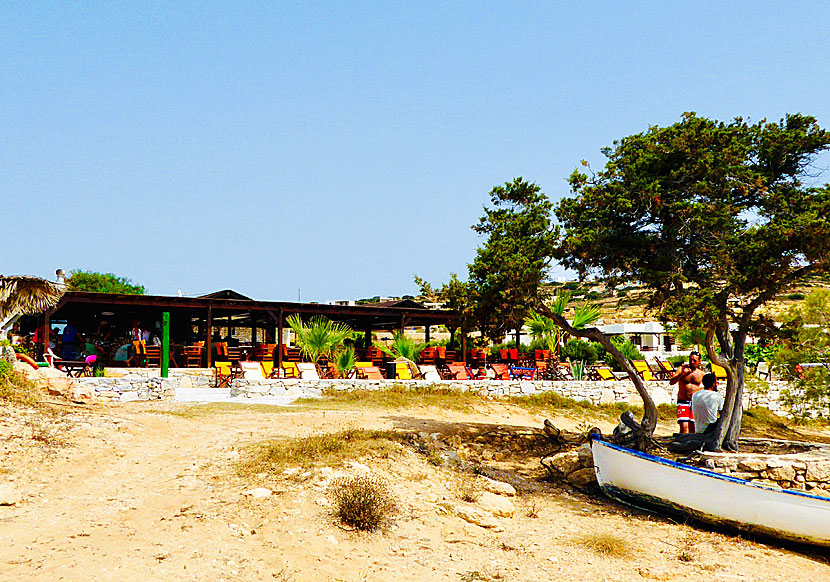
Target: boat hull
{"x":646,"y":481}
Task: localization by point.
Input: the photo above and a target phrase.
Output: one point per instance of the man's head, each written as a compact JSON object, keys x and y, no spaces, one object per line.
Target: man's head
{"x":710,"y":381}
{"x":694,"y":359}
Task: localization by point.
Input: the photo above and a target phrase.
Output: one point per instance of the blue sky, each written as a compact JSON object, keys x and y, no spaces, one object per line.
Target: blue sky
{"x":339,"y":149}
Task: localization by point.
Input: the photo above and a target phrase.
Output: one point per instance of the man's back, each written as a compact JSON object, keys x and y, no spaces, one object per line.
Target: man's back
{"x":705,"y":407}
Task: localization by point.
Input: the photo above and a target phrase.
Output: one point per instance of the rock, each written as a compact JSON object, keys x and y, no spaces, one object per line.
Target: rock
{"x":496,"y":504}
{"x":660,"y":396}
{"x":498,"y":487}
{"x":129,"y":396}
{"x":778,"y":471}
{"x":818,"y":471}
{"x":565,"y":463}
{"x":582,"y":477}
{"x":586,"y":456}
{"x":606,"y":396}
{"x":753,"y":464}
{"x":9,"y":495}
{"x":258,"y":493}
{"x":81,"y":394}
{"x":478,"y":517}
{"x":58,"y":385}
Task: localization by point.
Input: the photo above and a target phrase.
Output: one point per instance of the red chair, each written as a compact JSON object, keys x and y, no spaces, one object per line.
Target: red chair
{"x":457,"y":372}
{"x":502,"y":371}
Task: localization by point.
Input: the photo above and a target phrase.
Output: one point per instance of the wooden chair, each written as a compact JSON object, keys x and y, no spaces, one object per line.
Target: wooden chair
{"x":153,"y":356}
{"x":140,"y":354}
{"x":222,"y":374}
{"x":264,"y":352}
{"x":457,"y":372}
{"x":193,"y":356}
{"x":427,"y":356}
{"x":502,"y":371}
{"x":290,"y":354}
{"x":234,"y":354}
{"x":664,"y":369}
{"x":643,"y":370}
{"x":369,"y":373}
{"x":290,"y":370}
{"x":375,"y":354}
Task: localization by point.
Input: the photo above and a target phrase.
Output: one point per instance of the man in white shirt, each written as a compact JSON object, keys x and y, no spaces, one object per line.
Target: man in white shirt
{"x":706,"y":404}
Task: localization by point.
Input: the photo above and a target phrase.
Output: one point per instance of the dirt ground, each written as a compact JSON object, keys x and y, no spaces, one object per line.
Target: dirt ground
{"x":149,"y":491}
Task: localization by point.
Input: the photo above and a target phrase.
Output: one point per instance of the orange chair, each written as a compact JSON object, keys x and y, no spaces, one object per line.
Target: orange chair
{"x":369,"y":373}
{"x":457,"y":372}
{"x":502,"y":371}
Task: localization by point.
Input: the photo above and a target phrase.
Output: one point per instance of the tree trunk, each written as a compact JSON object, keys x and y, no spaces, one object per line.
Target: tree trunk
{"x":649,"y":421}
{"x":728,"y":428}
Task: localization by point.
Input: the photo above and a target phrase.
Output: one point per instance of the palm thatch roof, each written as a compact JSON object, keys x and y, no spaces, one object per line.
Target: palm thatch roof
{"x":27,"y":295}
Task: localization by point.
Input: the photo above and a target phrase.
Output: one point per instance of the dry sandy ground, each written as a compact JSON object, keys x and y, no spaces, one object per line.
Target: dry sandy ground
{"x":149,"y":492}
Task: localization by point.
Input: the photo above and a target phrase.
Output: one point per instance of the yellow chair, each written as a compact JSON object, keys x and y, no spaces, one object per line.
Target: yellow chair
{"x":267,"y":368}
{"x":290,"y":370}
{"x":402,"y":371}
{"x":605,"y":373}
{"x":222,"y":374}
{"x":719,"y":371}
{"x":644,"y":371}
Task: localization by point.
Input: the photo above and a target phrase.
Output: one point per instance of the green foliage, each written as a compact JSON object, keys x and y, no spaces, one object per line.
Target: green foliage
{"x":628,"y":350}
{"x":702,"y":213}
{"x":402,"y":346}
{"x":509,"y":268}
{"x":578,"y":350}
{"x":545,"y":329}
{"x":344,"y":361}
{"x":320,"y":337}
{"x":364,"y":502}
{"x":808,"y":397}
{"x":796,"y":296}
{"x":677,"y":360}
{"x":755,"y":353}
{"x":101,"y":283}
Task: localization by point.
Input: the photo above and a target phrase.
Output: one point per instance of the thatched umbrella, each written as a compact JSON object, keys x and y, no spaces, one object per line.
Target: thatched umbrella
{"x":21,"y":295}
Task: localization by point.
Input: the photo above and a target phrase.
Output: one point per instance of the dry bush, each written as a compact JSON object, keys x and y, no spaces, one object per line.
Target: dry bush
{"x":15,"y":388}
{"x":363,"y":502}
{"x":465,"y":487}
{"x":606,"y":544}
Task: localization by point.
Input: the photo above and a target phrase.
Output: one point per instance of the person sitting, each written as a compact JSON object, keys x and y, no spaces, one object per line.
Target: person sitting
{"x":706,"y":404}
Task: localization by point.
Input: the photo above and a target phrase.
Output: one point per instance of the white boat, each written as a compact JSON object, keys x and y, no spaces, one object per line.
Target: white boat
{"x":650,"y":482}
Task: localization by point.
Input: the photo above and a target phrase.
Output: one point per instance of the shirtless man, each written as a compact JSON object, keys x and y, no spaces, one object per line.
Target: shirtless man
{"x":689,"y":378}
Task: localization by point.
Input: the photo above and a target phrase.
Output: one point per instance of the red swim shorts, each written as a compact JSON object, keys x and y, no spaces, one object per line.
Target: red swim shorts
{"x":684,"y":411}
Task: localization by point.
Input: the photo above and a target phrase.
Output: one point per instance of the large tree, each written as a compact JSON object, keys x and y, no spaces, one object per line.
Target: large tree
{"x":101,"y":283}
{"x":715,"y":218}
{"x":507,"y":273}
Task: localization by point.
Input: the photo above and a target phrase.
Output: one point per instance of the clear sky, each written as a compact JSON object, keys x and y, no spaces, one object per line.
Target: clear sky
{"x":337,"y":149}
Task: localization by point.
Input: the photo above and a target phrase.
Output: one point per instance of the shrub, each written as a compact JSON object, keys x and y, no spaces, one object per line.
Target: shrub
{"x":677,"y":360}
{"x":628,"y":350}
{"x":578,"y":350}
{"x":363,"y":502}
{"x":796,"y":296}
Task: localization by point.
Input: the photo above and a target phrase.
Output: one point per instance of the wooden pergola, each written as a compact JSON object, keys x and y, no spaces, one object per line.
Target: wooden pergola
{"x":231,"y":309}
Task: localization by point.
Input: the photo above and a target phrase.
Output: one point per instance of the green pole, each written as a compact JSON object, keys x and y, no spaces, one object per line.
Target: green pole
{"x":165,"y":343}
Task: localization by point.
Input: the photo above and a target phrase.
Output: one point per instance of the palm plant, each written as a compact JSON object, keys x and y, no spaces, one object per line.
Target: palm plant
{"x":402,"y":346}
{"x":319,"y":337}
{"x":544,"y":328}
{"x":344,"y":361}
{"x":21,"y":295}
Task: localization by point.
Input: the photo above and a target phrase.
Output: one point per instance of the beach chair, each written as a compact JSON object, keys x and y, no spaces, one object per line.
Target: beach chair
{"x":522,"y":373}
{"x":139,"y":357}
{"x":369,"y":373}
{"x":265,"y":352}
{"x":402,"y":371}
{"x":308,"y":371}
{"x":719,"y":371}
{"x":427,"y":356}
{"x":289,"y":370}
{"x":643,"y":370}
{"x":501,"y":371}
{"x":222,"y":374}
{"x":429,"y":372}
{"x":604,"y":373}
{"x":762,"y":370}
{"x":563,"y":370}
{"x":457,"y":372}
{"x":267,"y":367}
{"x":251,"y":371}
{"x":664,"y":369}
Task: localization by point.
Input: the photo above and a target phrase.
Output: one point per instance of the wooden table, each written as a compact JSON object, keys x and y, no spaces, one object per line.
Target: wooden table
{"x":75,"y":368}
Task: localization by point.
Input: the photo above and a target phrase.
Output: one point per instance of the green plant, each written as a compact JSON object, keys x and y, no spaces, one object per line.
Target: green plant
{"x":402,"y":346}
{"x":364,"y":502}
{"x":319,"y":337}
{"x":576,"y":349}
{"x":345,"y":360}
{"x":577,"y":369}
{"x":796,"y":296}
{"x":628,"y":350}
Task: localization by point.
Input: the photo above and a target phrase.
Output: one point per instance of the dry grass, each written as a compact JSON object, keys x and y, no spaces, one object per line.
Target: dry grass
{"x":464,"y":487}
{"x":326,"y":449}
{"x":200,"y":410}
{"x":363,"y":502}
{"x":606,"y":544}
{"x":16,"y":389}
{"x":396,"y":396}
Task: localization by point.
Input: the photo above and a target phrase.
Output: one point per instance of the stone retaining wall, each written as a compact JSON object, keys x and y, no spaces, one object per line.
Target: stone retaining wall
{"x":146,"y":383}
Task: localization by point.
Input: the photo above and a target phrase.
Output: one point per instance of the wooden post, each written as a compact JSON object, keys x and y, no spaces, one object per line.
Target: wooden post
{"x":279,"y":339}
{"x":165,"y":344}
{"x":463,"y":345}
{"x":209,"y":340}
{"x":426,"y":333}
{"x":367,"y":337}
{"x":46,"y":333}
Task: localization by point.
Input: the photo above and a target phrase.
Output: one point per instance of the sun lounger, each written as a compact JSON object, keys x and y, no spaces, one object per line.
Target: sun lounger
{"x":664,"y":369}
{"x":604,"y":373}
{"x":308,"y":371}
{"x":719,"y":371}
{"x":501,"y":371}
{"x":369,"y":373}
{"x":251,"y":371}
{"x":289,"y":370}
{"x":457,"y":372}
{"x":643,"y":370}
{"x":267,"y":367}
{"x":429,"y":373}
{"x":520,"y":373}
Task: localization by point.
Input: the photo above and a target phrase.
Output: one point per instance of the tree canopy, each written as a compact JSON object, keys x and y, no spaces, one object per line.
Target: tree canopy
{"x":101,"y":283}
{"x":509,"y":268}
{"x":715,"y":218}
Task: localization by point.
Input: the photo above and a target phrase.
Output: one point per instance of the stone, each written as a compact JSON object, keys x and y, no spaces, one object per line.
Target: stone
{"x":498,"y":505}
{"x":778,"y":471}
{"x":606,"y":396}
{"x":752,"y":464}
{"x":129,"y":396}
{"x":57,"y":385}
{"x":582,"y":477}
{"x":258,"y":493}
{"x":586,"y":456}
{"x":81,"y":394}
{"x":660,"y":396}
{"x":478,"y":517}
{"x":818,"y":471}
{"x":497,"y":487}
{"x":9,"y":495}
{"x":565,"y":463}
